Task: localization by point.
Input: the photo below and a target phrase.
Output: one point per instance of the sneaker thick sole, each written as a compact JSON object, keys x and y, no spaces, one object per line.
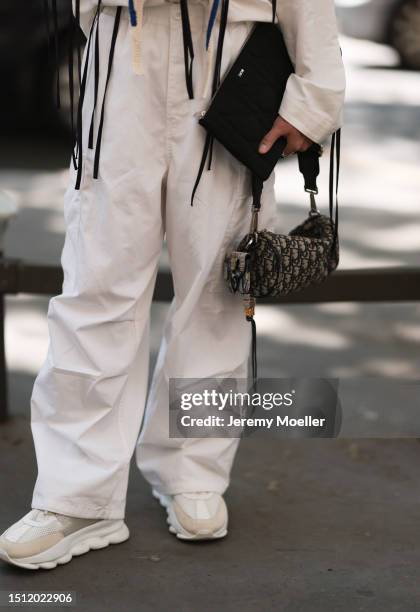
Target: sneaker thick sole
{"x":96,"y":536}
{"x":177,"y":529}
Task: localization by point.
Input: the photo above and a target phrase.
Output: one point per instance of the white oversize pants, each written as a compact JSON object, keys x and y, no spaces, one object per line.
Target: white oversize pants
{"x":88,"y":399}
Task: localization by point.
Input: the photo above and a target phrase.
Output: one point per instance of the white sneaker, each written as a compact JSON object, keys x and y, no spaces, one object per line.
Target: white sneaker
{"x":43,"y":539}
{"x":195,"y":516}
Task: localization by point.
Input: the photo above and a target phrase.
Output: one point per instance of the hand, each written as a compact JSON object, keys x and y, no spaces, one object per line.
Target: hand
{"x":296,"y":141}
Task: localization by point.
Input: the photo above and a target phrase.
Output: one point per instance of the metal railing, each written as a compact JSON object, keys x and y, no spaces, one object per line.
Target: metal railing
{"x":366,"y":285}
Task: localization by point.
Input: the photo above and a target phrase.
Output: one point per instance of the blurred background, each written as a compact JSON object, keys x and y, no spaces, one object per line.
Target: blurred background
{"x":350,"y":506}
{"x":379,"y":195}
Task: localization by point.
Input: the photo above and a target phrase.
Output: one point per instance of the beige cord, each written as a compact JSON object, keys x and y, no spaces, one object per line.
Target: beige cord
{"x":136,"y":39}
{"x":210,"y":54}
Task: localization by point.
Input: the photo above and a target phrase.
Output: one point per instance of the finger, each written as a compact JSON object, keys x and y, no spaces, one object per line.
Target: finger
{"x":291,"y":147}
{"x":268,"y":141}
{"x":296,"y":144}
{"x":270,"y":138}
{"x":305,"y":146}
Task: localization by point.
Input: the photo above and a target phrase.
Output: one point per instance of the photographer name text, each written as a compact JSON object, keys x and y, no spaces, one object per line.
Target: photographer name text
{"x":267,"y":423}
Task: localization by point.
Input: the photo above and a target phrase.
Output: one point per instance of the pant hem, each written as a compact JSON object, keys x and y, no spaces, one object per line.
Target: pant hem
{"x":78,"y":508}
{"x":190,"y":486}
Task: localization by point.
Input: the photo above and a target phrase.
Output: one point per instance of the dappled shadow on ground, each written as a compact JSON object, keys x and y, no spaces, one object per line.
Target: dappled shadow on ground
{"x":315,"y":525}
{"x":346,"y":339}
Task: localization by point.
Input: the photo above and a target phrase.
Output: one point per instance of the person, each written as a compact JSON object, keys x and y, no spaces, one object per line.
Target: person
{"x":137,"y":161}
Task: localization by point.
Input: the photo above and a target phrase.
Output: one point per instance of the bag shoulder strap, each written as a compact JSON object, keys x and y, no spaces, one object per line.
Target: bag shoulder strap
{"x":309,"y":167}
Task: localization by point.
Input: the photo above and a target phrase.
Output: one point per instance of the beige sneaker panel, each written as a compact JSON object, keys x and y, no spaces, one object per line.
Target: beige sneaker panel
{"x":195,"y":526}
{"x":20,"y":550}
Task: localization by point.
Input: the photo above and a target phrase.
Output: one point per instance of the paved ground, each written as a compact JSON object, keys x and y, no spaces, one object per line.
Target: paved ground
{"x":315,"y":525}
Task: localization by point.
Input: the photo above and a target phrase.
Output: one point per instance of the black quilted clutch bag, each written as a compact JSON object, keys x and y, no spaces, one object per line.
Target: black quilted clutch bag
{"x":245,"y":104}
{"x":247,"y":101}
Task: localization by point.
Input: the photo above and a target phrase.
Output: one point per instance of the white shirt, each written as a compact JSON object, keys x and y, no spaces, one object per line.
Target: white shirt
{"x":314,"y":96}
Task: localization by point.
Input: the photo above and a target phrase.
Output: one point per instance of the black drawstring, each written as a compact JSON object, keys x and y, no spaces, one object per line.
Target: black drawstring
{"x":76,"y":34}
{"x":188,"y":47}
{"x":218,"y":62}
{"x":79,"y":128}
{"x":208,"y":143}
{"x":220,"y":41}
{"x":257,"y":185}
{"x":96,"y":66}
{"x":274,"y":7}
{"x":79,"y":50}
{"x":253,"y":350}
{"x":101,"y":122}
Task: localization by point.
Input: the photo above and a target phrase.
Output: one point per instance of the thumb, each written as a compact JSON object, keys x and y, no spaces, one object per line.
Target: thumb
{"x":269,"y":139}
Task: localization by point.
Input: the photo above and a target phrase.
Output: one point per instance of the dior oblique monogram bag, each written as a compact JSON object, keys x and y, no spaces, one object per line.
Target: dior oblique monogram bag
{"x":268,"y":264}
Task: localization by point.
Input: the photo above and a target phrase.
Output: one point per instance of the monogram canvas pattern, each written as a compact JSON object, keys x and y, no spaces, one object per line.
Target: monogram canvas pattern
{"x":278,"y":264}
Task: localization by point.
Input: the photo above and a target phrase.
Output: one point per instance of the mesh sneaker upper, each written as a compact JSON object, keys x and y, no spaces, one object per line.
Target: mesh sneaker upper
{"x":39,"y":523}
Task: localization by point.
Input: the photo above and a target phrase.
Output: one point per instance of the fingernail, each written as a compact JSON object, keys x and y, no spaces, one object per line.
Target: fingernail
{"x":263,"y":148}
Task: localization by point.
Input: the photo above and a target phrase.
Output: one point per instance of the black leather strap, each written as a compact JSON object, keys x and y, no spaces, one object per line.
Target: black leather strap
{"x":309,"y":167}
{"x":257,"y":185}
